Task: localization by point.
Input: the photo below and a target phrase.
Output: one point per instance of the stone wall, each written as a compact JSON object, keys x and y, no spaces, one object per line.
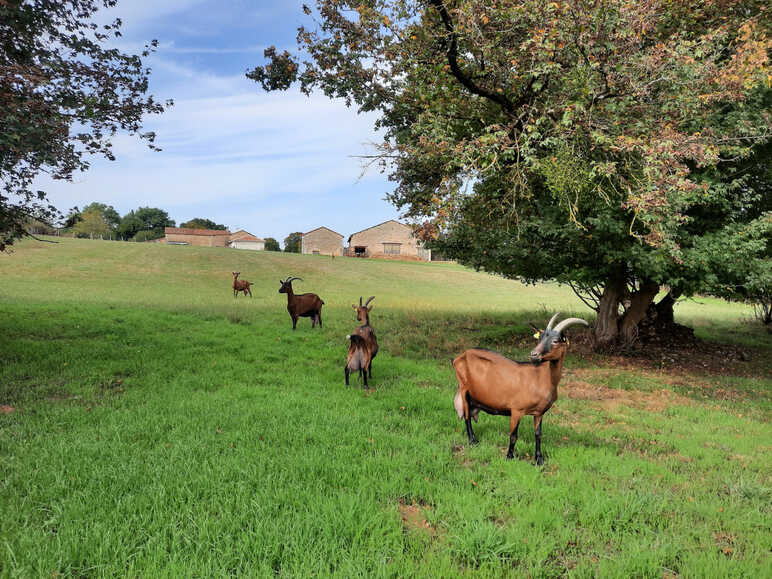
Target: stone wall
{"x":391,"y":240}
{"x":323,"y":241}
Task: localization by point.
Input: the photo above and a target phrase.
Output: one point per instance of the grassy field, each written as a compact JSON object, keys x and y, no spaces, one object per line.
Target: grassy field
{"x":155,"y":426}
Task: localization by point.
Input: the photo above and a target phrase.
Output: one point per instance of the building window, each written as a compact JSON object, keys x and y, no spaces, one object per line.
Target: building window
{"x":315,"y":252}
{"x":360,"y":251}
{"x":391,"y":248}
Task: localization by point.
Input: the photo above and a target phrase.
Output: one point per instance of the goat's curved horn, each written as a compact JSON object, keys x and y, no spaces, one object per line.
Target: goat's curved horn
{"x":291,"y":279}
{"x":569,"y":322}
{"x":371,"y":298}
{"x":360,"y":301}
{"x":552,"y":321}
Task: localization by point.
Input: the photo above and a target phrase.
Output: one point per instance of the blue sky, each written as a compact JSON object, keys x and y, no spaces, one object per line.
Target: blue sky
{"x":268,"y":163}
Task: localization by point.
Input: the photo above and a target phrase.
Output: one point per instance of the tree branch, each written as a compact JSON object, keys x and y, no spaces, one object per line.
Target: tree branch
{"x":452,"y":53}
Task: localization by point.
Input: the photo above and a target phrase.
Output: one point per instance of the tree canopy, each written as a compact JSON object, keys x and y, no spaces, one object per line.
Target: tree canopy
{"x":145,"y":219}
{"x":201,"y":223}
{"x":292,"y":243}
{"x":607,"y":144}
{"x":271,"y":244}
{"x":107,"y":212}
{"x":65,"y":92}
{"x":92,"y":224}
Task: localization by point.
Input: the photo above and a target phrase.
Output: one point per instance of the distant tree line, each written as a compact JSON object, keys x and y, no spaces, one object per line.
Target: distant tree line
{"x":101,"y":221}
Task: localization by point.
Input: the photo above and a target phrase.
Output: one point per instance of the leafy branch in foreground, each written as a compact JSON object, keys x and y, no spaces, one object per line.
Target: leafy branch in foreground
{"x":64,"y":93}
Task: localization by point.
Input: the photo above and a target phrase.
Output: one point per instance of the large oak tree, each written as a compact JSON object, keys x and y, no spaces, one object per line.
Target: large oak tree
{"x":605,"y":144}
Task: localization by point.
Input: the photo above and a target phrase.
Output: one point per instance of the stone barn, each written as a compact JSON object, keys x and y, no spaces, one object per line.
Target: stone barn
{"x":322,"y":241}
{"x":201,"y":237}
{"x":245,"y":240}
{"x":390,"y":239}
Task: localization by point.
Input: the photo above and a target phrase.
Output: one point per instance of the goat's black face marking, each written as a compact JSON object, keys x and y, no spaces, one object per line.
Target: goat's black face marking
{"x":546,"y":340}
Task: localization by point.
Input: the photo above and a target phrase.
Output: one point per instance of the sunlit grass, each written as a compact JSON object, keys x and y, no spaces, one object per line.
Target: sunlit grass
{"x":161,"y":427}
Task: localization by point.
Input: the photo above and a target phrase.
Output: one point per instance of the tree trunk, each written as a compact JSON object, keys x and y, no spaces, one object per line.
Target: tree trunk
{"x":613,"y":331}
{"x":607,"y":324}
{"x":639,"y":304}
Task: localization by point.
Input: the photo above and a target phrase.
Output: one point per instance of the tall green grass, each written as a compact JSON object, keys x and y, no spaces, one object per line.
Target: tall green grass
{"x":162,"y":428}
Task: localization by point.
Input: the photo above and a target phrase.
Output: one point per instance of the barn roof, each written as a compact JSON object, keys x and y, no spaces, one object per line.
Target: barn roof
{"x":322,"y":227}
{"x":191,"y":231}
{"x":242,"y":235}
{"x":374,"y":226}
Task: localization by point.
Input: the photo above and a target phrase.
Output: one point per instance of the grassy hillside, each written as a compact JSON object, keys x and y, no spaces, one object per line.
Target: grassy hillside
{"x":157,"y":426}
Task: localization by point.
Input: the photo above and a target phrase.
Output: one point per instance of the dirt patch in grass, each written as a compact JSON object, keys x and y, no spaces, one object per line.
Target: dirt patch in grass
{"x":414,"y":518}
{"x":612,"y":398}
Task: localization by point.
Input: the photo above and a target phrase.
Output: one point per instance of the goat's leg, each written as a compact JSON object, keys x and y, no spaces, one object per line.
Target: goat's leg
{"x":370,"y":368}
{"x":347,"y":372}
{"x":537,"y":435}
{"x":363,"y":371}
{"x":514,"y":424}
{"x":469,"y":432}
{"x":313,"y":322}
{"x":319,"y":318}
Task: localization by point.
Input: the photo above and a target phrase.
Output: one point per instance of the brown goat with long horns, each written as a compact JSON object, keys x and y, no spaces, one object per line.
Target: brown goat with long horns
{"x":301,"y":305}
{"x":368,"y":342}
{"x":490,"y":382}
{"x":240,"y":285}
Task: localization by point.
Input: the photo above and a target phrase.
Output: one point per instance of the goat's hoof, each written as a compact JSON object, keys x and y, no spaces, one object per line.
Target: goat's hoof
{"x":539,"y":460}
{"x":510,"y":455}
{"x":474,"y":442}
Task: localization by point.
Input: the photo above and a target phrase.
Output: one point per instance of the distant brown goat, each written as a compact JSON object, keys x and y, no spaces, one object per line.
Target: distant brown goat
{"x":302,"y":305}
{"x":240,"y":285}
{"x":366,"y":332}
{"x":490,"y":382}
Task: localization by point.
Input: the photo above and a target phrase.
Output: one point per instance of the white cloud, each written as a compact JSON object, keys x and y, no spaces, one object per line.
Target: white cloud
{"x":270,"y":163}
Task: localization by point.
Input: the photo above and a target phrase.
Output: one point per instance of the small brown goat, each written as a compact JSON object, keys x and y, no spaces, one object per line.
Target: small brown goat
{"x":497,"y":385}
{"x":301,"y":305}
{"x":366,"y":332}
{"x":240,"y":285}
{"x":358,"y":359}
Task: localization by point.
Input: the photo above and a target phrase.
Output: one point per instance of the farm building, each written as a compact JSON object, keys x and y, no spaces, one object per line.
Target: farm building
{"x":245,"y":240}
{"x":390,"y":239}
{"x":322,"y":241}
{"x":201,"y":237}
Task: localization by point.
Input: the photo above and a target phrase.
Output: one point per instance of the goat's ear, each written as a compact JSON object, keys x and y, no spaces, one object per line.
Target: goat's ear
{"x":533,"y":327}
{"x":370,"y":309}
{"x":353,"y":306}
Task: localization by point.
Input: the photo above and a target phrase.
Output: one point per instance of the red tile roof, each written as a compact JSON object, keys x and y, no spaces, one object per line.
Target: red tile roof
{"x":243,"y":235}
{"x":190,"y":231}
